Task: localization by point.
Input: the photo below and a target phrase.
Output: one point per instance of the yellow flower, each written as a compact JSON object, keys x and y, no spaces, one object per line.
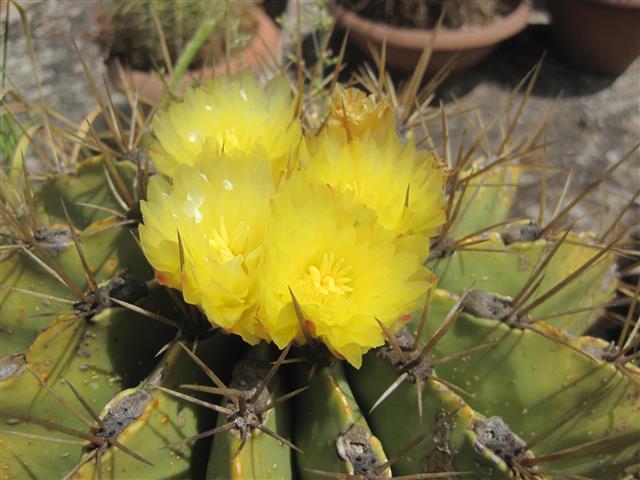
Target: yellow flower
{"x":219,"y":208}
{"x":343,"y":268}
{"x":345,"y":230}
{"x":236,"y":113}
{"x":353,"y":113}
{"x":402,"y":185}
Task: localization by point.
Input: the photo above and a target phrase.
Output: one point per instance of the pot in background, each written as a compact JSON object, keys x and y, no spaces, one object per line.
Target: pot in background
{"x":405,"y":45}
{"x":262,"y":52}
{"x":600,"y":35}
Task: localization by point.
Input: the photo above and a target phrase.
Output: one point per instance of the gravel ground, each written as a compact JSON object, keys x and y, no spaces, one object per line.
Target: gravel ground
{"x":597,"y":119}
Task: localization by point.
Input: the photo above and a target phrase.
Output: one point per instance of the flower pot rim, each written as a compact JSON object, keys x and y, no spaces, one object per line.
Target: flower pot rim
{"x":447,"y":39}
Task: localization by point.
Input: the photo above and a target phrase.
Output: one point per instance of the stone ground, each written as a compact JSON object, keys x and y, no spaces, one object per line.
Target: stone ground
{"x":597,"y":119}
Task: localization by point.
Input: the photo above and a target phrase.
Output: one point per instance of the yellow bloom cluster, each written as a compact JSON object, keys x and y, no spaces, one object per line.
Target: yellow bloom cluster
{"x":235,"y":113}
{"x":250,"y":216}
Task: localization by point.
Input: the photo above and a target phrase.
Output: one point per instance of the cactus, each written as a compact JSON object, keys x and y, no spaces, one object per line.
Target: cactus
{"x":135,"y":29}
{"x":186,"y":347}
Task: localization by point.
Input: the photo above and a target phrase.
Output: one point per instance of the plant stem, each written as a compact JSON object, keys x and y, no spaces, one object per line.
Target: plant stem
{"x":191,"y":49}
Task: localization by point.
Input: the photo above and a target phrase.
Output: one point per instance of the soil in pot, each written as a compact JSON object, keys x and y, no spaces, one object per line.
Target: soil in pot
{"x":247,"y":39}
{"x":457,"y":14}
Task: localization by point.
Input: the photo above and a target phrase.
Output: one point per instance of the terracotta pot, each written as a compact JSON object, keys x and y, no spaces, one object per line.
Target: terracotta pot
{"x":258,"y":56}
{"x":405,"y":45}
{"x":601,"y":35}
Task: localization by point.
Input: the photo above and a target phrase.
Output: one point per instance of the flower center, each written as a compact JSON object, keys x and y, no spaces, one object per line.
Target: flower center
{"x":327,"y":281}
{"x":225,"y":247}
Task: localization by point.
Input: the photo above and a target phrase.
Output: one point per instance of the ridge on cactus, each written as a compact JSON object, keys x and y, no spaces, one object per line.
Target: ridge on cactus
{"x":335,"y":233}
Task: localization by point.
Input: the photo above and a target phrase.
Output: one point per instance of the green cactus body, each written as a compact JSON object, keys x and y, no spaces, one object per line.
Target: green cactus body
{"x":450,"y":445}
{"x":108,"y":252}
{"x":88,"y":185}
{"x":324,"y":412}
{"x":108,"y":248}
{"x":487,"y":200}
{"x":259,"y":455}
{"x":505,"y":269}
{"x":532,"y":380}
{"x":157,"y":423}
{"x":98,"y":358}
